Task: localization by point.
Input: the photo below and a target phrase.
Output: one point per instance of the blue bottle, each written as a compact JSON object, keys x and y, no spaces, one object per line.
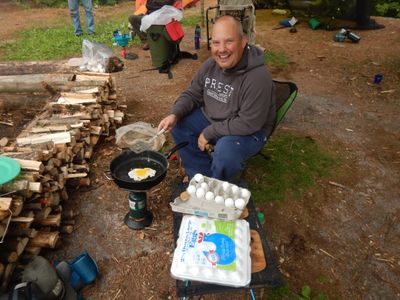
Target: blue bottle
{"x":197,"y":37}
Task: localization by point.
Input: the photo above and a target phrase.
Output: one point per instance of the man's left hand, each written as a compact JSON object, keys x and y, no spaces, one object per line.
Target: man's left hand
{"x":202,"y":142}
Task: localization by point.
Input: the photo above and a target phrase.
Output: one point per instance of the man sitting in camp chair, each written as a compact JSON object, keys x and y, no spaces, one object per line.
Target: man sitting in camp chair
{"x":229,"y":104}
{"x":145,"y":8}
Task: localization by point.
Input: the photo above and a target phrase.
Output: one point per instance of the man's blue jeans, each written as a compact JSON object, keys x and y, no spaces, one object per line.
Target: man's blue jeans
{"x":230,"y":151}
{"x":74,"y":11}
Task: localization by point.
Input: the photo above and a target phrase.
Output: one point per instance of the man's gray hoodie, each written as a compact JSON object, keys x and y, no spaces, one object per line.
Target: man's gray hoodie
{"x":237,"y":101}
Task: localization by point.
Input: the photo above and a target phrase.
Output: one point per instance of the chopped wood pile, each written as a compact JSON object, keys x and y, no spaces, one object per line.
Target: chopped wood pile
{"x":53,"y":151}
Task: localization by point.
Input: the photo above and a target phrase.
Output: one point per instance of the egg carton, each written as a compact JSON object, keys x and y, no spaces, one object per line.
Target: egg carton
{"x":212,"y":198}
{"x":213,"y":251}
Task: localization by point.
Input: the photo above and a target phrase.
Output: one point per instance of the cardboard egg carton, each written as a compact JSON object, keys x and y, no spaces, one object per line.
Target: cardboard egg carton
{"x":212,"y":198}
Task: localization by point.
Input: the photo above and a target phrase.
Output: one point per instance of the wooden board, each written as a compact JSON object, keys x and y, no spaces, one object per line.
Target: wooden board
{"x":258,"y":261}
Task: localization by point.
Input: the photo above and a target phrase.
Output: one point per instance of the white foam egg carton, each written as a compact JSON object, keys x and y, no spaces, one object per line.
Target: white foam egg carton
{"x":213,"y":251}
{"x":213,"y":198}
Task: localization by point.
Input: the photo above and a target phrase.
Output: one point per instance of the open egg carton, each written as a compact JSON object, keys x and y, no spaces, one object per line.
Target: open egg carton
{"x":213,"y":198}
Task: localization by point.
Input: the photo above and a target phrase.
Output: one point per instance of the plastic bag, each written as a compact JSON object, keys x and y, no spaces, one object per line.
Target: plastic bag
{"x":136,"y":136}
{"x":161,"y":16}
{"x":95,"y":56}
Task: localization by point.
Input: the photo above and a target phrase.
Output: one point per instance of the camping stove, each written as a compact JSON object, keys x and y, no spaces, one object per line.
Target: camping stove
{"x":138,"y":216}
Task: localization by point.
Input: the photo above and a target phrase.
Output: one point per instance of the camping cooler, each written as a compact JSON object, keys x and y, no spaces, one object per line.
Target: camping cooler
{"x":162,"y":48}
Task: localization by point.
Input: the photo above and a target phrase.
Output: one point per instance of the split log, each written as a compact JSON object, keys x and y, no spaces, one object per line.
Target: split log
{"x":5,"y":203}
{"x":8,"y":271}
{"x":30,"y":165}
{"x":17,"y":205}
{"x":68,"y":229}
{"x":14,"y":231}
{"x":51,"y":220}
{"x":57,"y":138}
{"x":44,"y":239}
{"x":8,"y":256}
{"x":20,"y":186}
{"x":16,"y":245}
{"x":25,"y":221}
{"x":69,"y":214}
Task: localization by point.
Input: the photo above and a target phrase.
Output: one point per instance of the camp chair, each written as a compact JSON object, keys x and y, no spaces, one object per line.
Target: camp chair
{"x":243,"y":10}
{"x":285,"y":94}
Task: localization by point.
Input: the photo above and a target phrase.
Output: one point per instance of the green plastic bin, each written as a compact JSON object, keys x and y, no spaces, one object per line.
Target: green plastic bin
{"x":162,"y":49}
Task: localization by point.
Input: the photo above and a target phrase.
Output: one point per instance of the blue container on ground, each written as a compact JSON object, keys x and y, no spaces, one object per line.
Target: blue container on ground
{"x":85,"y":267}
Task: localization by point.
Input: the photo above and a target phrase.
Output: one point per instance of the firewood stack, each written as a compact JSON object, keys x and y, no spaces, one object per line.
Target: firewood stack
{"x":53,"y":151}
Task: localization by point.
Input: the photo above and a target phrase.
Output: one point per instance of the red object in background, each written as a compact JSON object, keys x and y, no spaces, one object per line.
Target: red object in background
{"x":174,"y":30}
{"x":172,"y":157}
{"x":123,"y":52}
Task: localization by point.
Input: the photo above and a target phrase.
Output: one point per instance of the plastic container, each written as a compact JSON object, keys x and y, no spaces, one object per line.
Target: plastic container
{"x":85,"y":267}
{"x":213,"y":251}
{"x":197,"y":37}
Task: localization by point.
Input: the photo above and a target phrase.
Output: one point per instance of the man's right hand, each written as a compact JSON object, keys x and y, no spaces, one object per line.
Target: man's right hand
{"x":168,"y":122}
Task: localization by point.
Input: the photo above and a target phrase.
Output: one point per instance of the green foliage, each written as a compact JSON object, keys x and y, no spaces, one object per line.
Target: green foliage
{"x":277,"y":293}
{"x":388,"y":9}
{"x":276,"y":59}
{"x":59,"y":42}
{"x":284,"y":292}
{"x":293,"y":166}
{"x":190,"y":21}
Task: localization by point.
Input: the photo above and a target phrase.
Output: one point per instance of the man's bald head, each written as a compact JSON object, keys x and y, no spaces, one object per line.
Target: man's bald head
{"x":227,"y":42}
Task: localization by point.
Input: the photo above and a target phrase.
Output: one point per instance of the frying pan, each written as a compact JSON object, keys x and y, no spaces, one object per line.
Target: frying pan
{"x":128,"y":160}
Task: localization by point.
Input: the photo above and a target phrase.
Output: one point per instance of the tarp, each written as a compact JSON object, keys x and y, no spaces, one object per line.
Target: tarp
{"x":140,"y":5}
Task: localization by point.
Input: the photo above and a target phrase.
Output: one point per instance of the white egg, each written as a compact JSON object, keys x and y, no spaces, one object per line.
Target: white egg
{"x":219,"y":200}
{"x":191,"y":189}
{"x":245,"y":193}
{"x":200,"y":193}
{"x":225,"y":186}
{"x":209,"y":196}
{"x":240,"y":203}
{"x":235,"y":190}
{"x":229,"y":202}
{"x":204,"y":186}
{"x":198,"y":178}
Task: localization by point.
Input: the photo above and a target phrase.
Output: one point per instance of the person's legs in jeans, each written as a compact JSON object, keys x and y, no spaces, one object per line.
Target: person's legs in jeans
{"x":188,"y":129}
{"x":87,"y":5}
{"x":231,"y":151}
{"x":74,"y":11}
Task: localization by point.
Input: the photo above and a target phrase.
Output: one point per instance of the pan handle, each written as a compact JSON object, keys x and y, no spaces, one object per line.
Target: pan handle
{"x":107,"y":174}
{"x":176,"y":148}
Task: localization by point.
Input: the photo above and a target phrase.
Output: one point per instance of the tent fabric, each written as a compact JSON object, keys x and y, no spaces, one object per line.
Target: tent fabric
{"x":140,"y":5}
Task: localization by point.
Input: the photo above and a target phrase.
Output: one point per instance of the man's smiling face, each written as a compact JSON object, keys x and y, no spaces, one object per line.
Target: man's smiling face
{"x":227,"y":44}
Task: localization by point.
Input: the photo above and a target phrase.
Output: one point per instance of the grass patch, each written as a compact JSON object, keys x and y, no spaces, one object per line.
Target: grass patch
{"x":293,"y":166}
{"x":190,"y":21}
{"x":59,"y":42}
{"x":276,"y":59}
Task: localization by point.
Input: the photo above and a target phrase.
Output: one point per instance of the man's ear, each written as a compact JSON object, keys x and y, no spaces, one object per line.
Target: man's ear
{"x":244,"y":41}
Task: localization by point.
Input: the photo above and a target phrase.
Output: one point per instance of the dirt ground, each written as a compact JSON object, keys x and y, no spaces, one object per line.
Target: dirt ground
{"x":341,"y":239}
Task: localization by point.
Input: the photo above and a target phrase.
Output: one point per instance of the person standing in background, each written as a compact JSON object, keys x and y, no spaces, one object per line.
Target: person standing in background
{"x":74,"y":11}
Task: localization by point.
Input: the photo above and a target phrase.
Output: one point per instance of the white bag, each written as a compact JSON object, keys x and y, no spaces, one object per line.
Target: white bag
{"x":161,"y":16}
{"x":95,"y":56}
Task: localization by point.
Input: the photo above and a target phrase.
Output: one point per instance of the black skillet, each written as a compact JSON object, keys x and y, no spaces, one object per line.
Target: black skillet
{"x":128,"y":160}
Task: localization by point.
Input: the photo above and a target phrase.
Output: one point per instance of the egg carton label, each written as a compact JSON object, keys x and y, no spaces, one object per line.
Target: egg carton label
{"x":214,"y":251}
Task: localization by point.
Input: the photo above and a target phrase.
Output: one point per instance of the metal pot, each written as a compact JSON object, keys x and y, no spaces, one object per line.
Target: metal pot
{"x":128,"y":160}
